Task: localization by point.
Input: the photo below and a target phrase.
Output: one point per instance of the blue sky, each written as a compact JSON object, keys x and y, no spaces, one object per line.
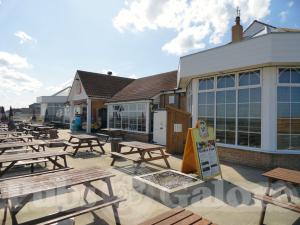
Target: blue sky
{"x":43,"y":43}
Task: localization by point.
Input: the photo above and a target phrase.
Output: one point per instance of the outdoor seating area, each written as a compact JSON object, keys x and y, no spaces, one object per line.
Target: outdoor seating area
{"x":39,"y":180}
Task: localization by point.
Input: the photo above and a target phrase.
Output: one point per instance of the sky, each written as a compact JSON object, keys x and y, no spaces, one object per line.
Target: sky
{"x":44,"y":42}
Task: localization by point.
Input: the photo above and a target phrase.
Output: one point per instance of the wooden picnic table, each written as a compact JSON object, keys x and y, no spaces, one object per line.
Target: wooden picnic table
{"x":24,"y":138}
{"x":178,"y":216}
{"x":287,"y":176}
{"x":32,"y":158}
{"x":113,"y":132}
{"x":26,"y":188}
{"x":84,"y":140}
{"x":43,"y":130}
{"x":34,"y":145}
{"x":10,"y":133}
{"x":142,"y":149}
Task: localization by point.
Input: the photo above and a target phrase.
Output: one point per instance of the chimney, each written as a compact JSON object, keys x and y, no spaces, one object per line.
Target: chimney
{"x":237,"y":29}
{"x":109,"y":73}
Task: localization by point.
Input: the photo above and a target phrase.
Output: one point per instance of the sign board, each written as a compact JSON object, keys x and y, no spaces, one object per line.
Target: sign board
{"x":200,"y":153}
{"x":177,"y":127}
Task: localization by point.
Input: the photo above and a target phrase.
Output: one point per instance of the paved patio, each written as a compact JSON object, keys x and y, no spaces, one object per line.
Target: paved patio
{"x":224,"y":202}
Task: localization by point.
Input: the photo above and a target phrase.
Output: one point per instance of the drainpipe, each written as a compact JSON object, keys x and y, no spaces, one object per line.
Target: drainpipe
{"x":89,"y":115}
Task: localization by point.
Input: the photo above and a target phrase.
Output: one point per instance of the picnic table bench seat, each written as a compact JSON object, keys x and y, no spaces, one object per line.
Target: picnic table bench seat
{"x":178,"y":216}
{"x":128,"y":157}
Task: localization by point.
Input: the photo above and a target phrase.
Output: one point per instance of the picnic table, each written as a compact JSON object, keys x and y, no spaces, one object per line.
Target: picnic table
{"x":32,"y":158}
{"x":24,"y":138}
{"x":84,"y":140}
{"x":10,"y":133}
{"x":34,"y":145}
{"x":178,"y":216}
{"x":42,"y":130}
{"x":142,"y":149}
{"x":113,"y":132}
{"x":26,"y":188}
{"x":286,"y":176}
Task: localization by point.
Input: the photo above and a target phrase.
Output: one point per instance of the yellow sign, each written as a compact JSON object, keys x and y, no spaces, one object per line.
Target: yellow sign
{"x":200,"y":154}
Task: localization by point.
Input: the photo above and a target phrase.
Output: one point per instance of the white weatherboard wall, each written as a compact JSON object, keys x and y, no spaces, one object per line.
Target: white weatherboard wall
{"x":269,"y":49}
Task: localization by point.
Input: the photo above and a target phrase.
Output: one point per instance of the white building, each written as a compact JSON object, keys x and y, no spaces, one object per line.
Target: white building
{"x":249,"y":92}
{"x":55,"y":105}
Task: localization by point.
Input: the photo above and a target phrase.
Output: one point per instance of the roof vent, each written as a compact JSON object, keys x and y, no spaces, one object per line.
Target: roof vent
{"x":109,"y":73}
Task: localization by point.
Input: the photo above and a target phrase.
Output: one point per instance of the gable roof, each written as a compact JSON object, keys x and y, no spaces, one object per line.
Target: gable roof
{"x":102,"y":85}
{"x":147,"y":87}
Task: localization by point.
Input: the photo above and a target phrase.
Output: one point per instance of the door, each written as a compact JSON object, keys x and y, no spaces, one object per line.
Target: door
{"x":160,"y":127}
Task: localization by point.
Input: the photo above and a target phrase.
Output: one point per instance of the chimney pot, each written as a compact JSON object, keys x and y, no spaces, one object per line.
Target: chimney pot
{"x":109,"y":73}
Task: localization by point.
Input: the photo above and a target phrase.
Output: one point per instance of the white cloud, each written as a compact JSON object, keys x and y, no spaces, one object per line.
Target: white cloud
{"x":11,"y":79}
{"x":13,"y":60}
{"x":290,"y":3}
{"x":283,"y":16}
{"x":17,"y":82}
{"x":193,"y":20}
{"x":24,"y":37}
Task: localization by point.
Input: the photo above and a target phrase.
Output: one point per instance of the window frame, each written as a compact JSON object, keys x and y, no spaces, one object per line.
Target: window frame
{"x":236,"y":87}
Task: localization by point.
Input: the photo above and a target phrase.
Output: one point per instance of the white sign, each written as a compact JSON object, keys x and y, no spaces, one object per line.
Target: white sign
{"x":177,"y":127}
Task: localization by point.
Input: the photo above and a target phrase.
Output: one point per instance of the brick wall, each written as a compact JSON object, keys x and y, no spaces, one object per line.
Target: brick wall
{"x":259,"y":159}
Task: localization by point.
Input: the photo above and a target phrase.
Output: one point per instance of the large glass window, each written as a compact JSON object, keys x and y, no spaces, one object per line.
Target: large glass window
{"x":249,"y":109}
{"x":226,"y":108}
{"x":232,"y":104}
{"x":206,"y":101}
{"x":288,"y":109}
{"x":131,"y":116}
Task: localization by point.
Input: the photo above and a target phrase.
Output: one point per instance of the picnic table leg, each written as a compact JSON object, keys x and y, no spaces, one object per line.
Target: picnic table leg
{"x":114,"y":206}
{"x":264,"y":204}
{"x":138,"y":165}
{"x":114,"y":157}
{"x":100,"y":146}
{"x":165,"y":158}
{"x":12,"y":213}
{"x":77,"y":148}
{"x":65,"y":160}
{"x":7,"y":168}
{"x":5,"y":212}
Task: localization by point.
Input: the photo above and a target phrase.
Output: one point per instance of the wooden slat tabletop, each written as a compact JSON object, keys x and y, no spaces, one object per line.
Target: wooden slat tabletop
{"x":84,"y":137}
{"x":30,"y":155}
{"x":16,"y":137}
{"x":140,"y":145}
{"x":20,"y":144}
{"x":287,"y":175}
{"x":46,"y":182}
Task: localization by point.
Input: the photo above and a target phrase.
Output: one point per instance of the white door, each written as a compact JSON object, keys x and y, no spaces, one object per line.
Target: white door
{"x":160,"y":127}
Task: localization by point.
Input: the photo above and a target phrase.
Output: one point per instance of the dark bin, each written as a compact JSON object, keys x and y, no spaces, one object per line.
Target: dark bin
{"x":115,"y":144}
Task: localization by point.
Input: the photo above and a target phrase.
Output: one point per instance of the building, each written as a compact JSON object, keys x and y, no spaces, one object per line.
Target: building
{"x":249,"y":92}
{"x":131,"y":109}
{"x":54,"y":106}
{"x":88,"y":95}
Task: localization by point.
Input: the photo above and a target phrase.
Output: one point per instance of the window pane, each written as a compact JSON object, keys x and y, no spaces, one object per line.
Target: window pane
{"x":230,"y":97}
{"x":295,"y":126}
{"x":202,"y":85}
{"x":210,"y":122}
{"x":243,"y":125}
{"x":283,"y":126}
{"x":210,"y":111}
{"x":202,"y":98}
{"x":283,"y":94}
{"x":295,"y":94}
{"x":255,"y":95}
{"x":243,"y":139}
{"x":254,"y":140}
{"x":220,"y":124}
{"x":220,"y":97}
{"x":284,"y":75}
{"x":230,"y":110}
{"x":254,"y":78}
{"x":295,"y":140}
{"x":221,"y":82}
{"x":295,"y":108}
{"x":243,"y":95}
{"x":210,"y":98}
{"x":283,"y":110}
{"x":221,"y":110}
{"x":295,"y":76}
{"x":243,"y":110}
{"x":283,"y":141}
{"x":255,"y":110}
{"x":243,"y":79}
{"x":210,"y":83}
{"x":230,"y":137}
{"x":220,"y":136}
{"x":230,"y":81}
{"x":230,"y":124}
{"x":255,"y":125}
{"x":202,"y":110}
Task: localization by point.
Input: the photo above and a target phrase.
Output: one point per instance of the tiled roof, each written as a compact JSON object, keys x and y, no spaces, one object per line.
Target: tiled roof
{"x":146,"y":87}
{"x":102,"y":85}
